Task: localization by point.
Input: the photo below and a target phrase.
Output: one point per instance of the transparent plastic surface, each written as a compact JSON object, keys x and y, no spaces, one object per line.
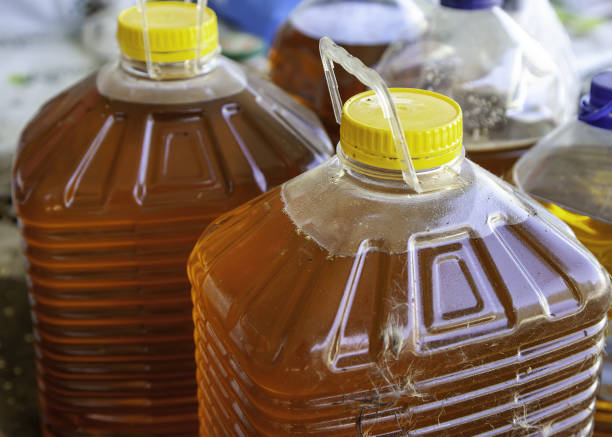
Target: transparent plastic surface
{"x":114,"y":181}
{"x":570,"y":172}
{"x":364,"y":27}
{"x":394,"y":217}
{"x":540,"y":20}
{"x":572,"y":168}
{"x":348,"y":303}
{"x":511,"y":90}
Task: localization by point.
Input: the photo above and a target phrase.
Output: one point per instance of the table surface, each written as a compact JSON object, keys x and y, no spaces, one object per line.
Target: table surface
{"x":18,"y":403}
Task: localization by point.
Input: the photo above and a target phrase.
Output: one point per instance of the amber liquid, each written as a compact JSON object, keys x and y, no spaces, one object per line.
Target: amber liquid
{"x":296,"y":63}
{"x":460,"y":336}
{"x":498,"y":162}
{"x":111,"y":197}
{"x":596,"y":235}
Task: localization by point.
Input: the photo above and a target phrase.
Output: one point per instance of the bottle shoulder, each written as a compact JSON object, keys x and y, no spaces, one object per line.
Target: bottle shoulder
{"x":224,"y":79}
{"x":86,"y":154}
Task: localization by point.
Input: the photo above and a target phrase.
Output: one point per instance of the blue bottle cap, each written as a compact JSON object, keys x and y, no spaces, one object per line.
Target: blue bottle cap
{"x":471,"y":4}
{"x":597,"y":106}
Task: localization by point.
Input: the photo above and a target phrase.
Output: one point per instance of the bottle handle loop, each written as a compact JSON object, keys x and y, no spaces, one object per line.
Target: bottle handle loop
{"x":152,"y":69}
{"x":200,"y":8}
{"x":330,"y":53}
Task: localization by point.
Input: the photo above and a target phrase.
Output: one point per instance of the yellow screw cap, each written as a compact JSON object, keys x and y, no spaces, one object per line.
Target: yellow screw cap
{"x":172,"y":32}
{"x":432,"y":123}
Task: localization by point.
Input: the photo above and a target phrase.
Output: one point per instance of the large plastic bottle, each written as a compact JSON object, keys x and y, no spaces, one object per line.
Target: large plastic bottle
{"x":114,"y":181}
{"x":570,"y":172}
{"x":365,"y":27}
{"x":510,"y":88}
{"x":398,"y":289}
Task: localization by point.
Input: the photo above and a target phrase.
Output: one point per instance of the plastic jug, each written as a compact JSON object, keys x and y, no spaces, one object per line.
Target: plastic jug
{"x":398,"y":289}
{"x":510,"y":88}
{"x":540,"y":20}
{"x":570,"y":172}
{"x":114,"y":181}
{"x":365,"y":27}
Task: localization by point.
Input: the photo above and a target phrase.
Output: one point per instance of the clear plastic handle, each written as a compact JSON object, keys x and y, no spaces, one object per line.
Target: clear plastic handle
{"x":201,"y":8}
{"x":152,"y":70}
{"x":330,"y":53}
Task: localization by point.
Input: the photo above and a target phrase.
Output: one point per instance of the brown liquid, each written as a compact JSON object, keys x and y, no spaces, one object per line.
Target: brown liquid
{"x":112,"y":196}
{"x":296,"y":63}
{"x":500,"y":335}
{"x":498,"y":162}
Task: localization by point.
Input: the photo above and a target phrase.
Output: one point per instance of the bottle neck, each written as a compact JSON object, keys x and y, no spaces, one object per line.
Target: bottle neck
{"x":392,"y":180}
{"x":170,"y":71}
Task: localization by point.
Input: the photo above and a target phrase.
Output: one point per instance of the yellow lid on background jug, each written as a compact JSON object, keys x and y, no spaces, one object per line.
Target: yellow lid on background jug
{"x":432,"y":124}
{"x":172,"y":32}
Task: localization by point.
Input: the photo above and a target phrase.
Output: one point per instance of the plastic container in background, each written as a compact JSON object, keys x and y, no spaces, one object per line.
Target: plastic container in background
{"x":365,"y":27}
{"x":114,"y":181}
{"x":397,"y":289}
{"x":540,"y":20}
{"x":511,"y":90}
{"x":98,"y":33}
{"x":260,"y":17}
{"x":590,"y":26}
{"x":570,"y":172}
